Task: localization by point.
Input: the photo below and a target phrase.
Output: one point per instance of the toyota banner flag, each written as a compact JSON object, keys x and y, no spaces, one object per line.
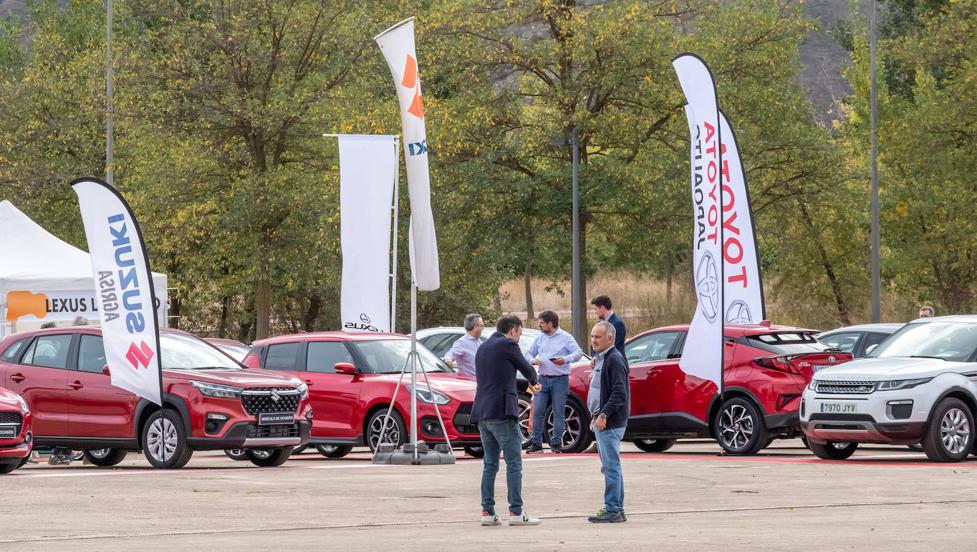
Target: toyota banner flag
{"x":367,"y":172}
{"x":124,"y":289}
{"x":743,"y":287}
{"x":702,"y":355}
{"x":397,"y":45}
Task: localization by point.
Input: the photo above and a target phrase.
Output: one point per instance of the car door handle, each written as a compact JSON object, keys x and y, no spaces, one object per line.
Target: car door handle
{"x":76,"y":385}
{"x":18,"y":377}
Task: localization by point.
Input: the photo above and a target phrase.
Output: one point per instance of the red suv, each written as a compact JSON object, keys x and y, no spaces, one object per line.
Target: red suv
{"x":351,"y":379}
{"x":211,"y":401}
{"x":766,"y":371}
{"x":15,"y":431}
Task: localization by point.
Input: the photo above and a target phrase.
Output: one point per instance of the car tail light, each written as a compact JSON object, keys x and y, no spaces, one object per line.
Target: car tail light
{"x":779,"y":363}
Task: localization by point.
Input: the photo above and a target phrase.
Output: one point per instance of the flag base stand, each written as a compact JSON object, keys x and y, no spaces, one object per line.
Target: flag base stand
{"x":405,"y":456}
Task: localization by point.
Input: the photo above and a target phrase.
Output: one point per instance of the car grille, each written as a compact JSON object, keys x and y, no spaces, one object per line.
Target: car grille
{"x":12,"y":418}
{"x":462,"y":420}
{"x":275,"y":431}
{"x":259,"y":400}
{"x":830,"y":387}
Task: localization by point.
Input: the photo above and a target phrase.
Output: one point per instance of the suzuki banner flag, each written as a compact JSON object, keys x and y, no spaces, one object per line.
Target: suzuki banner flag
{"x":397,"y":45}
{"x":703,"y":351}
{"x":367,"y":172}
{"x":124,"y":288}
{"x":743,"y":289}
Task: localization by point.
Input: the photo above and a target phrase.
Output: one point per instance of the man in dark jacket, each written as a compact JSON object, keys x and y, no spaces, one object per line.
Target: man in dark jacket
{"x":609,"y":402}
{"x":496,"y":412}
{"x":602,"y":308}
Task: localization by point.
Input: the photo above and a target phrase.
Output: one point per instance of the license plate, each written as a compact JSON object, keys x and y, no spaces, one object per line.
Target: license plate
{"x":276,"y":418}
{"x":8,"y":432}
{"x":838,"y":408}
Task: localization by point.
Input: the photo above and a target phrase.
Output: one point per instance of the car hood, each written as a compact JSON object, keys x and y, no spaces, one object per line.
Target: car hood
{"x":239,"y":378}
{"x":9,"y":400}
{"x":878,"y":369}
{"x":454,"y":385}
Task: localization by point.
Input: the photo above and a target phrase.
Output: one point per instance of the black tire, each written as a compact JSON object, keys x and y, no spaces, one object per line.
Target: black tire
{"x":299,"y":449}
{"x":105,"y":457}
{"x":8,"y":467}
{"x":739,"y":427}
{"x":524,"y":401}
{"x":237,"y":455}
{"x":832,"y":450}
{"x":396,"y":431}
{"x":269,"y":458}
{"x":333,"y":451}
{"x":164,"y":441}
{"x":949,"y":432}
{"x":576,"y":434}
{"x":654,"y":445}
{"x":475,"y":452}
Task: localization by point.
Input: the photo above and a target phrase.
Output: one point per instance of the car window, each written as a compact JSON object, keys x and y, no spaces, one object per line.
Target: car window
{"x":323,"y":356}
{"x":388,"y":356}
{"x":955,"y":341}
{"x":10,"y":355}
{"x":441,"y":344}
{"x":282,"y":356}
{"x":656,"y":346}
{"x":786,"y":343}
{"x":845,"y":341}
{"x":48,"y":351}
{"x":873,"y":338}
{"x":91,"y":354}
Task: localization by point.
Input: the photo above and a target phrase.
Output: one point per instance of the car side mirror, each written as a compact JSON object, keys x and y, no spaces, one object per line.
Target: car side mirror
{"x":105,"y":370}
{"x":347,"y":368}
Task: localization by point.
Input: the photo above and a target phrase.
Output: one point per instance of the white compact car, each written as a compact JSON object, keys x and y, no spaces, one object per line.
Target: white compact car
{"x":918,"y":386}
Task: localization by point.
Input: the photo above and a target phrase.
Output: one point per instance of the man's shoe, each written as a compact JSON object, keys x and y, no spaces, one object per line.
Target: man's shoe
{"x":556,"y":448}
{"x":522,"y":519}
{"x":603,"y":516}
{"x":534,"y":448}
{"x":489,"y":520}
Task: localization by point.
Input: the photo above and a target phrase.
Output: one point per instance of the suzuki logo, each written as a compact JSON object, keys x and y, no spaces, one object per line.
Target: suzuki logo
{"x":412,"y":81}
{"x":139,"y":355}
{"x":275,"y":397}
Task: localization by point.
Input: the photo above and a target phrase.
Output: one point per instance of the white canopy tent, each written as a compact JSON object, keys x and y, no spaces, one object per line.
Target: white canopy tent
{"x":43,"y":279}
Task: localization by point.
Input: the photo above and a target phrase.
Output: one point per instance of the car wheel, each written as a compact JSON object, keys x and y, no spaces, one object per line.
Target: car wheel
{"x":576,"y":433}
{"x":832,"y":450}
{"x":105,"y":457}
{"x":299,"y":449}
{"x":654,"y":445}
{"x":475,"y":452}
{"x":165,"y":441}
{"x":236,"y":454}
{"x":395,"y":432}
{"x":8,"y":467}
{"x":269,"y":458}
{"x":525,"y":403}
{"x":950,"y":435}
{"x":333,"y":451}
{"x":739,"y":427}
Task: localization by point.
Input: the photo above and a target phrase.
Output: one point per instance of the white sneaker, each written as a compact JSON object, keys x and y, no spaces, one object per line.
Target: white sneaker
{"x":489,"y":520}
{"x":524,"y":519}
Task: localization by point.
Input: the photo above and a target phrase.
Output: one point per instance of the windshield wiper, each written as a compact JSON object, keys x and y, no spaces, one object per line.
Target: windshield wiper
{"x":926,"y":356}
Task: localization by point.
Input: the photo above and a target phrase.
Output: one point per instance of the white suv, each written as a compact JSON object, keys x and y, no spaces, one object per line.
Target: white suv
{"x":918,"y":386}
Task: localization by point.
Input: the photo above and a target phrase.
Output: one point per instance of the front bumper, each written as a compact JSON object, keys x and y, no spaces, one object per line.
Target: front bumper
{"x":251,"y":435}
{"x":17,"y":451}
{"x":885,"y":417}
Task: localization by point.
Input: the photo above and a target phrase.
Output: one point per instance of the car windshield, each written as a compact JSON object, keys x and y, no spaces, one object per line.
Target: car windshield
{"x":387,"y":356}
{"x":786,"y":343}
{"x":955,"y":341}
{"x":235,"y":351}
{"x":186,"y":352}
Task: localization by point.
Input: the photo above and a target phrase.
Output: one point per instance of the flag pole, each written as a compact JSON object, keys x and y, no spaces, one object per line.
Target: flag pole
{"x":396,"y":213}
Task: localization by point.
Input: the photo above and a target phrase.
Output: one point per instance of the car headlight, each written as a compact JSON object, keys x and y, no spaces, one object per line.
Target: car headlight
{"x":813,"y":386}
{"x":23,"y":405}
{"x":429,"y":396}
{"x":303,"y":390}
{"x":893,"y":385}
{"x":216,"y":390}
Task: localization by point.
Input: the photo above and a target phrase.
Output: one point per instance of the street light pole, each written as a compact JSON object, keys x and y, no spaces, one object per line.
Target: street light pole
{"x":109,"y":107}
{"x":577,"y":301}
{"x":876,"y":262}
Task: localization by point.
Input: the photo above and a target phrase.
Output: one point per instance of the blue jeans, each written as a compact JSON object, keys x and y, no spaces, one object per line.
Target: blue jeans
{"x":501,"y":436}
{"x":554,"y":392}
{"x":609,"y":449}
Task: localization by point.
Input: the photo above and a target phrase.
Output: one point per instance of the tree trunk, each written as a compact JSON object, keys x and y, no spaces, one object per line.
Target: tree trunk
{"x":528,"y":281}
{"x":262,"y":296}
{"x":844,"y":315}
{"x":225,"y":306}
{"x":174,"y":312}
{"x":312,"y":314}
{"x":669,"y":270}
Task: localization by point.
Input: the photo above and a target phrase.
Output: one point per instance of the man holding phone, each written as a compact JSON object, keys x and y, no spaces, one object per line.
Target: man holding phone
{"x":552,"y":353}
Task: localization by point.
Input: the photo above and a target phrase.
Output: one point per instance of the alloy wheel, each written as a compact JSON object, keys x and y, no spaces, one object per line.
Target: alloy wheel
{"x":955,"y":431}
{"x":100,"y":453}
{"x":571,"y":430}
{"x":378,"y":435}
{"x":736,"y":426}
{"x":161,"y":439}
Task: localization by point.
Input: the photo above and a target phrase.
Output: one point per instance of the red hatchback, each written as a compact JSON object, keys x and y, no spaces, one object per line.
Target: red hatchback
{"x":16,"y":438}
{"x":351,"y":379}
{"x":211,"y":401}
{"x":766,"y":370}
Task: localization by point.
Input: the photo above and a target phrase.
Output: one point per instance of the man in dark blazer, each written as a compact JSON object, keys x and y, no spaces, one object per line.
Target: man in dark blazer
{"x":609,"y":402}
{"x":496,"y":412}
{"x":602,"y":308}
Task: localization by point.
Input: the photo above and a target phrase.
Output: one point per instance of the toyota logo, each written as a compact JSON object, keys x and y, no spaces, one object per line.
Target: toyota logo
{"x":275,"y":397}
{"x":831,"y":359}
{"x":739,"y":313}
{"x":707,"y":286}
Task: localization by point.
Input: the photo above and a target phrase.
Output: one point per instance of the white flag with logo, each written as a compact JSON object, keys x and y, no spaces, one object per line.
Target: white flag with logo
{"x":397,"y":45}
{"x":124,"y":288}
{"x":367,"y":171}
{"x":742,"y":288}
{"x":702,"y":355}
